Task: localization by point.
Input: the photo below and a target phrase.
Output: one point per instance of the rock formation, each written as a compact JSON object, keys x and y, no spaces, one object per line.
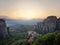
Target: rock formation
{"x":3,"y":29}
{"x":48,"y":25}
{"x":58,"y":24}
{"x":32,"y":36}
{"x":8,"y":31}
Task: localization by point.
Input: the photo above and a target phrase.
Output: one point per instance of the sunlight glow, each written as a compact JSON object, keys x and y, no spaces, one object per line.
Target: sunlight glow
{"x":29,"y":15}
{"x":29,"y":9}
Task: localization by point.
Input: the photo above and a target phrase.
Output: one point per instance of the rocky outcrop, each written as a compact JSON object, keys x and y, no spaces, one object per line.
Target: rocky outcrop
{"x":58,"y":24}
{"x":8,"y":31}
{"x":48,"y":25}
{"x":32,"y":36}
{"x":3,"y":29}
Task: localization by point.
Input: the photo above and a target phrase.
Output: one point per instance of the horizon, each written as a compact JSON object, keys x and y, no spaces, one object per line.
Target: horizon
{"x":29,"y":9}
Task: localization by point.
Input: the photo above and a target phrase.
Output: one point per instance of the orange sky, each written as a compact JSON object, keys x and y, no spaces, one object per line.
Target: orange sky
{"x":29,"y":9}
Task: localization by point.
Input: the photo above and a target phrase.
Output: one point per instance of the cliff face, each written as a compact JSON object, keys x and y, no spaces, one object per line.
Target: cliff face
{"x":3,"y":29}
{"x":48,"y":25}
{"x":58,"y":24}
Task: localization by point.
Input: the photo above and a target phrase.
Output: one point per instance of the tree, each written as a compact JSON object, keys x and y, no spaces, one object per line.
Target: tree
{"x":47,"y":39}
{"x":57,"y":39}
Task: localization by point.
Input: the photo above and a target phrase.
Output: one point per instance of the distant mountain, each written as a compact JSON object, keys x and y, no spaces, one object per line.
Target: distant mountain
{"x":11,"y":22}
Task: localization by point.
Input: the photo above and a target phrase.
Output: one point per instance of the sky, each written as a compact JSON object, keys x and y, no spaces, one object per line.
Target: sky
{"x":29,"y":9}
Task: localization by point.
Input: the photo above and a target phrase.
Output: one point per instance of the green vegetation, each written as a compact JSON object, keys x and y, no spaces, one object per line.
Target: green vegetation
{"x":14,"y":38}
{"x":20,"y":39}
{"x":57,"y":39}
{"x":48,"y":39}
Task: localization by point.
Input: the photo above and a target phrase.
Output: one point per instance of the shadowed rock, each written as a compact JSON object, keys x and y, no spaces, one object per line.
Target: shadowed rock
{"x":48,"y":25}
{"x":58,"y":25}
{"x":3,"y":29}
